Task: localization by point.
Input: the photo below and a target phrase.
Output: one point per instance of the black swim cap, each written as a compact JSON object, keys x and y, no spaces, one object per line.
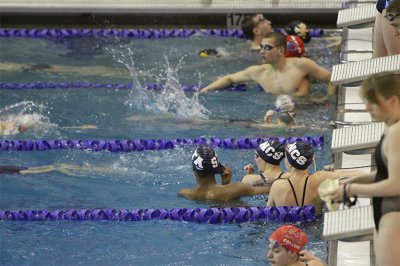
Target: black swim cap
{"x":300,"y":154}
{"x":271,"y":151}
{"x":300,"y":29}
{"x":205,"y":160}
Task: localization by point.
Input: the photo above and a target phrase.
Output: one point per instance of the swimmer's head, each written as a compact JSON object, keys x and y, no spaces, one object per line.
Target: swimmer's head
{"x":284,"y":103}
{"x":205,"y":161}
{"x":272,"y":151}
{"x":208,"y":52}
{"x":300,"y":29}
{"x":300,"y":154}
{"x":294,"y":46}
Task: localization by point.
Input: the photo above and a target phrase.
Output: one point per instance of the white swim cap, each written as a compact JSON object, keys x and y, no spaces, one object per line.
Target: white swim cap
{"x":284,"y":103}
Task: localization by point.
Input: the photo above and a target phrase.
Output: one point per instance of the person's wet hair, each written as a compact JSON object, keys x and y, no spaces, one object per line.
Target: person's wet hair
{"x":386,"y":84}
{"x":279,"y":38}
{"x":247,"y":26}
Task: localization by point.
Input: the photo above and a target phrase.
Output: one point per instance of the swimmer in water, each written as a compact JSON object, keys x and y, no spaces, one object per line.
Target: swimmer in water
{"x":72,"y":70}
{"x":14,"y":125}
{"x":278,"y":74}
{"x":285,"y":112}
{"x":67,"y":169}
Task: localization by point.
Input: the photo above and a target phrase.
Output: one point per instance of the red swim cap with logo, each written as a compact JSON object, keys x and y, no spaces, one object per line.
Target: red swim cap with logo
{"x":290,"y":237}
{"x":294,"y":46}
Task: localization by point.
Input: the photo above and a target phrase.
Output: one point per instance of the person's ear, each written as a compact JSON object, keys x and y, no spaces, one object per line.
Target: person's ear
{"x":256,"y":31}
{"x":394,"y":100}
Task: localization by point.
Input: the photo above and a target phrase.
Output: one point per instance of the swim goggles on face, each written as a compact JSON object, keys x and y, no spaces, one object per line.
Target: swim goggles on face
{"x":273,"y":244}
{"x":391,"y":17}
{"x":268,"y":47}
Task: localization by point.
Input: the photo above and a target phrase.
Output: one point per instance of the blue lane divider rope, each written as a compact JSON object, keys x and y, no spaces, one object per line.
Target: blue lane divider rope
{"x":196,"y":215}
{"x":129,"y":145}
{"x":85,"y":85}
{"x":131,"y":33}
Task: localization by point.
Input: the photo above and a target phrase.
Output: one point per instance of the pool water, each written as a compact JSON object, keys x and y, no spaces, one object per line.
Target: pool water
{"x":148,"y":179}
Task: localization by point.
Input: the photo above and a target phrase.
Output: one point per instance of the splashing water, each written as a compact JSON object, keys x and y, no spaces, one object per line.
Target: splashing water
{"x":27,"y":113}
{"x":171,"y":101}
{"x":139,"y":98}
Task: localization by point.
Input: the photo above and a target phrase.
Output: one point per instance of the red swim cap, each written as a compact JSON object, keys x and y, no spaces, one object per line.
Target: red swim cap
{"x":290,"y":237}
{"x":294,"y":46}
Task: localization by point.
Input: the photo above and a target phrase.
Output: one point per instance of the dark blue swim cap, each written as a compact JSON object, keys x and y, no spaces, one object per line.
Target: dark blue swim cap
{"x":271,"y":151}
{"x":300,"y":154}
{"x":205,"y":160}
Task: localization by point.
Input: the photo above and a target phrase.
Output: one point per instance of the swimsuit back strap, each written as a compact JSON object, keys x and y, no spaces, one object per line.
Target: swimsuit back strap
{"x":263,"y":178}
{"x":280,"y":175}
{"x":304,"y":192}
{"x":294,"y":192}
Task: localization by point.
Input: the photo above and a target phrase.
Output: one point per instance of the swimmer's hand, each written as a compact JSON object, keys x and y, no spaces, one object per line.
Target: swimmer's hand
{"x":204,"y":90}
{"x":329,"y":167}
{"x":226,"y":175}
{"x":306,"y":256}
{"x":268,"y":116}
{"x":249,"y":169}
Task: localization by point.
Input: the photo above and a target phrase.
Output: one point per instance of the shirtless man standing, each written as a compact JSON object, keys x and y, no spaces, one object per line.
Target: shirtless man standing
{"x":278,"y":75}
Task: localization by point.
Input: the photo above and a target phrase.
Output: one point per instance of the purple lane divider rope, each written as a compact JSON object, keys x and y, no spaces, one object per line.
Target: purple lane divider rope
{"x":88,"y":85}
{"x":197,"y":215}
{"x":130,"y":145}
{"x":130,"y":33}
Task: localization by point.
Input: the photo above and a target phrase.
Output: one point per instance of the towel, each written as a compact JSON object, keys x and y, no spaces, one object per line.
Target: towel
{"x":323,"y":189}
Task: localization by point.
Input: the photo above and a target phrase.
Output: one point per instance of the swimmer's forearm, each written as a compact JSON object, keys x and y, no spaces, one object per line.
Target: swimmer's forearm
{"x":217,"y":85}
{"x":365,"y":178}
{"x":332,"y":90}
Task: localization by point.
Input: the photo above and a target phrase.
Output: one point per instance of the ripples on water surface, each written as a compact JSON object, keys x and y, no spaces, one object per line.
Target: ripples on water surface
{"x":139,"y":179}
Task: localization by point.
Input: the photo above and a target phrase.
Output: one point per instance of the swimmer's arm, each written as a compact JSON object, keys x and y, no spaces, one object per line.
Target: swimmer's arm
{"x":38,"y":170}
{"x":268,"y":116}
{"x":363,"y":178}
{"x":261,"y":190}
{"x":186,"y":192}
{"x":319,"y":73}
{"x":225,"y":81}
{"x":226,"y":175}
{"x":338,"y":174}
{"x":82,"y":127}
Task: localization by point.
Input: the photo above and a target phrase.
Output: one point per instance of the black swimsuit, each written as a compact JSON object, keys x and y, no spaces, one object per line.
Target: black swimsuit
{"x":294,"y":192}
{"x":383,"y":205}
{"x":265,"y":179}
{"x":11,"y":169}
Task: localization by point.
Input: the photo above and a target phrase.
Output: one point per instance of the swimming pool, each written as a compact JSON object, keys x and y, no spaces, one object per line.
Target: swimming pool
{"x":148,"y":179}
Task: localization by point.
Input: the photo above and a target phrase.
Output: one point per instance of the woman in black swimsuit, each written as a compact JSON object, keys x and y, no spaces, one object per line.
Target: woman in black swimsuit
{"x":382,"y":95}
{"x":301,"y":188}
{"x":268,"y":156}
